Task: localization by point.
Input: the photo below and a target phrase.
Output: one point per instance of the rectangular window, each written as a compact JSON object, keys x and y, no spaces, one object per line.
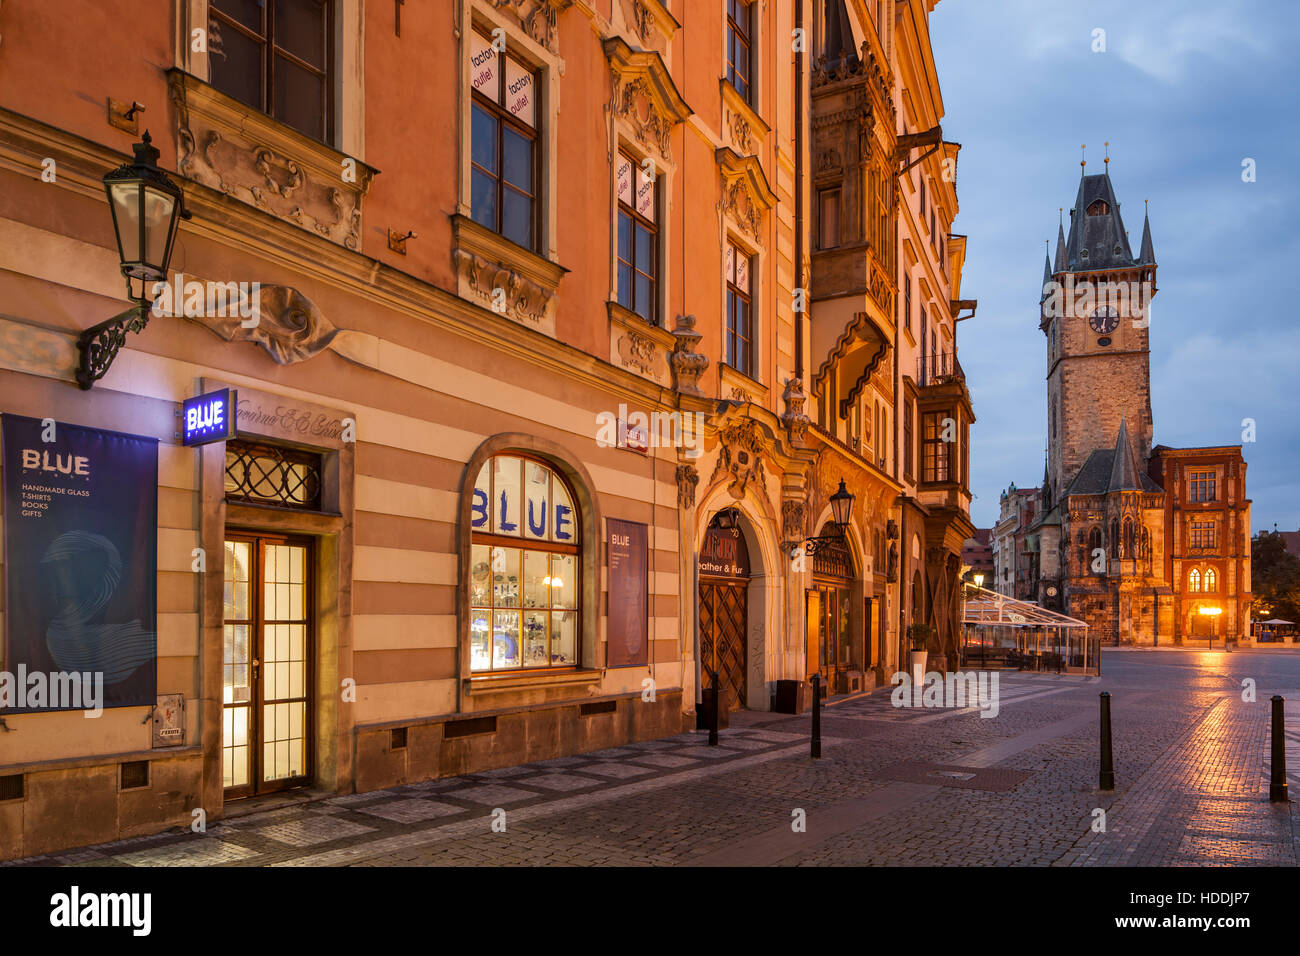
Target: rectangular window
{"x":907,"y":302}
{"x":936,"y":453}
{"x":828,"y":218}
{"x":740,"y":315}
{"x":909,"y":454}
{"x":638,"y":238}
{"x":503,"y":144}
{"x":276,"y":56}
{"x":1203,"y":535}
{"x":740,"y":35}
{"x":1202,"y":486}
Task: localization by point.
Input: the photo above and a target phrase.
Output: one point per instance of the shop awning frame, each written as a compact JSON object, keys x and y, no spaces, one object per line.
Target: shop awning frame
{"x":983,"y":606}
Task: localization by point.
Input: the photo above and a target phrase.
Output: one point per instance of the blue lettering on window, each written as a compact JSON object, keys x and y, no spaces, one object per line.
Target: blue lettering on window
{"x":533,"y":526}
{"x":503,"y":524}
{"x":562,"y":513}
{"x":478,"y":509}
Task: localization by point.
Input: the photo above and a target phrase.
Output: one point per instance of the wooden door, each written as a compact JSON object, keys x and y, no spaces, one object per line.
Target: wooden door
{"x":723,"y":623}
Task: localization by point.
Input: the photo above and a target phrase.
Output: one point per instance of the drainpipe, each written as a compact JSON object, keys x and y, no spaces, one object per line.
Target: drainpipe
{"x":798,"y":194}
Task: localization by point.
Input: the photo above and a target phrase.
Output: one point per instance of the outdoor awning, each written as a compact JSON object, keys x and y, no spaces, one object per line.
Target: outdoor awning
{"x":983,"y":606}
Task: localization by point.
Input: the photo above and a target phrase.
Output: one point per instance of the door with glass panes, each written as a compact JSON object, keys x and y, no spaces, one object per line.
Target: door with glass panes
{"x":266,"y":664}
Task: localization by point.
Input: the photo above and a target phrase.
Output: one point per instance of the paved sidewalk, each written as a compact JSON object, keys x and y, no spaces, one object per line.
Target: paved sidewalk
{"x":895,"y":786}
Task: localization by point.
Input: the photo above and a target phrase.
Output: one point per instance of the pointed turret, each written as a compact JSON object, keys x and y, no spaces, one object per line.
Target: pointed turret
{"x":1097,"y":238}
{"x":1123,"y":469}
{"x":1047,"y":276}
{"x":1147,"y":256}
{"x":1062,"y":264}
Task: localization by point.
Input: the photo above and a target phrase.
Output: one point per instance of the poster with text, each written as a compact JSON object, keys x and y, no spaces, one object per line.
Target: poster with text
{"x":629,"y":620}
{"x":81,"y":566}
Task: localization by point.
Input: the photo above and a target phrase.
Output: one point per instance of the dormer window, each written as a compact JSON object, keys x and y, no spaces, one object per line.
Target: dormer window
{"x":1098,"y":207}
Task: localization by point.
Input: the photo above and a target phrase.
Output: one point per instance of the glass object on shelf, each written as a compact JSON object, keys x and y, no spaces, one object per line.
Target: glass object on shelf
{"x":505,"y":639}
{"x":505,"y":577}
{"x":564,"y":637}
{"x":480,"y":581}
{"x":480,"y":642}
{"x":535,"y":639}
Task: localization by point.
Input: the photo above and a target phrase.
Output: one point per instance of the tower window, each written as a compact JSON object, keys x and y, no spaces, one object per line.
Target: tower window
{"x":1098,"y":207}
{"x":1201,"y":486}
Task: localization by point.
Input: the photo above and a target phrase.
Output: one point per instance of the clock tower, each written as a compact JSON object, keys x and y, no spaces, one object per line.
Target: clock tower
{"x":1094,"y":315}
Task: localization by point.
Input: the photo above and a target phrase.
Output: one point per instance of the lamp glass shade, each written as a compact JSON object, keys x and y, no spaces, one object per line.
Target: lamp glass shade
{"x":841,"y":505}
{"x":979,"y":580}
{"x":126,"y":219}
{"x":159,"y":219}
{"x":146,"y":208}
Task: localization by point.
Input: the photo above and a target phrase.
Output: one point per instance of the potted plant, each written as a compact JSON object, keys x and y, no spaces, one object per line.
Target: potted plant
{"x":919,"y":635}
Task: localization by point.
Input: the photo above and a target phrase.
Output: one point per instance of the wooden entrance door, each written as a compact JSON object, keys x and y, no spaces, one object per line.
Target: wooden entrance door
{"x":267,"y":663}
{"x":723,"y":616}
{"x":829,"y":644}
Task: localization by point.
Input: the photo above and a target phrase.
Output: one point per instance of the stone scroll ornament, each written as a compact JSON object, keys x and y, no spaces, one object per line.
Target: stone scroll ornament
{"x":284,"y":322}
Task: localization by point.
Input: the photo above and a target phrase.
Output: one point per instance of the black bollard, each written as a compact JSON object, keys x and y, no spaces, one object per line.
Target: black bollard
{"x":817,"y":715}
{"x":713,"y":711}
{"x":1277,"y":786}
{"x":1107,"y":780}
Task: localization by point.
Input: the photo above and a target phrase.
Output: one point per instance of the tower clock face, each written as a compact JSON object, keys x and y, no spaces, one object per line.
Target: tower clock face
{"x":1104,"y":321}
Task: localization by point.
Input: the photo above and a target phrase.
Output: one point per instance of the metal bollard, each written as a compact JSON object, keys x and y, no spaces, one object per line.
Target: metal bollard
{"x":817,"y":715}
{"x":713,"y":711}
{"x":1277,"y":786}
{"x":1107,"y":778}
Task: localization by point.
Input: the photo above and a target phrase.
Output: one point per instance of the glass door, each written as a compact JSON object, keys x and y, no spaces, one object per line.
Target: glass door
{"x":266,"y":658}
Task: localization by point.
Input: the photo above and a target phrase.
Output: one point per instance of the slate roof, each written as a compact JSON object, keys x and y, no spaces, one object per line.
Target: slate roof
{"x":1101,"y":236}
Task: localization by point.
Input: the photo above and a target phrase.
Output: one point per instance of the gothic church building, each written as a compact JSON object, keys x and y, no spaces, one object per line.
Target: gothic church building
{"x":1148,"y":545}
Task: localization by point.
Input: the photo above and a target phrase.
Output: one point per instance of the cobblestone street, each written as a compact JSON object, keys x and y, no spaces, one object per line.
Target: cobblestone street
{"x":895,"y":786}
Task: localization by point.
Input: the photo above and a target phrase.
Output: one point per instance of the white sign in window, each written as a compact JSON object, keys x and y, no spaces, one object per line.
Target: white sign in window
{"x":645,"y":194}
{"x":623,"y":176}
{"x":482,"y":65}
{"x":521,"y":97}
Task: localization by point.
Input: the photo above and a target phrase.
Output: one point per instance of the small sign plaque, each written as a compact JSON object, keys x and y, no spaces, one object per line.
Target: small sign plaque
{"x":169,"y":721}
{"x":209,"y":417}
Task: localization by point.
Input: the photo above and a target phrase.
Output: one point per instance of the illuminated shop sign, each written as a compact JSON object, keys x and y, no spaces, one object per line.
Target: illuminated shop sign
{"x":208,"y":418}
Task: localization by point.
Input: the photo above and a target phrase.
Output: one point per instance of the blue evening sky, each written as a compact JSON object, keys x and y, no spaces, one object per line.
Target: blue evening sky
{"x":1186,"y":90}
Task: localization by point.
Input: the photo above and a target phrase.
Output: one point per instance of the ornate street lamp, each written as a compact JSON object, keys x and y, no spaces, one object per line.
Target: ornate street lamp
{"x":146,"y":208}
{"x":841,"y":509}
{"x":979,"y":580}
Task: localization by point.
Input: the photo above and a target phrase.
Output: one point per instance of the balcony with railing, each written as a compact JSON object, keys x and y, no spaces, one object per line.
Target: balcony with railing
{"x":939,"y":368}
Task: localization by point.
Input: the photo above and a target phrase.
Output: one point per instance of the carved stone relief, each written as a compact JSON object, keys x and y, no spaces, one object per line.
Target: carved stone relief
{"x":503,"y":290}
{"x":539,"y":18}
{"x":289,"y":325}
{"x":687,"y":364}
{"x":687,"y":480}
{"x":739,"y":457}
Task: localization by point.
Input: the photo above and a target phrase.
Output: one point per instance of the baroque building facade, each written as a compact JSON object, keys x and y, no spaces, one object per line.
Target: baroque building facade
{"x":546,"y":369}
{"x":1146,"y":544}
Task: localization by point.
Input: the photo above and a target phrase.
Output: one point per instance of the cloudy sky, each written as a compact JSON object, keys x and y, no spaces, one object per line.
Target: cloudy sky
{"x":1185,"y":91}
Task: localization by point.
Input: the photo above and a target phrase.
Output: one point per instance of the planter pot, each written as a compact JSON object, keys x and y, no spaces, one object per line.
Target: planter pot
{"x":916,"y":666}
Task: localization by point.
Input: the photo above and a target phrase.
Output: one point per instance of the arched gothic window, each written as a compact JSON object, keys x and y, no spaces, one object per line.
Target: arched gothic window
{"x":1114,"y":538}
{"x":1130,"y":547}
{"x":1211,"y":580}
{"x":1194,"y":580}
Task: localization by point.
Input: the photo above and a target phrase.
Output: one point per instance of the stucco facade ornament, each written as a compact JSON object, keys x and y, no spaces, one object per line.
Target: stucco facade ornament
{"x":643,"y":97}
{"x":740,"y":206}
{"x":740,"y":457}
{"x":741,"y":134}
{"x":643,"y":20}
{"x":289,"y":325}
{"x":503,"y":290}
{"x":794,"y":419}
{"x":539,"y":18}
{"x":250,"y":157}
{"x":794,"y":522}
{"x":687,"y":364}
{"x":687,"y":480}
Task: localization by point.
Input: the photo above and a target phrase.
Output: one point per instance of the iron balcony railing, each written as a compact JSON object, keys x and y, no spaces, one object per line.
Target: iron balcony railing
{"x":938,"y":368}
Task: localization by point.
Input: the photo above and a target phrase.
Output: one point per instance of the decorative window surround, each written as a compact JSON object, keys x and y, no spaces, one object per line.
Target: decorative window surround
{"x":743,"y":129}
{"x":644,"y":102}
{"x":745,"y":193}
{"x":736,"y":386}
{"x":505,"y":278}
{"x":349,"y":46}
{"x":639,"y":347}
{"x":531,"y":32}
{"x":247,"y":155}
{"x":649,"y":21}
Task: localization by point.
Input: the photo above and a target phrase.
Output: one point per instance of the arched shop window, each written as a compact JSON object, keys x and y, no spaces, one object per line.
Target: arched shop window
{"x":524,"y":566}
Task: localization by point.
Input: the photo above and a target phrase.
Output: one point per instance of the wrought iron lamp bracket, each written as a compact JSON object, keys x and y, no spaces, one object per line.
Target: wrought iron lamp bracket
{"x":98,"y":345}
{"x":833,"y":538}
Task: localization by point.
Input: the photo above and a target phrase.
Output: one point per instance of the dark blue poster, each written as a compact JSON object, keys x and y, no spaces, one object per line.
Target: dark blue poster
{"x":80,"y":563}
{"x":629,"y":586}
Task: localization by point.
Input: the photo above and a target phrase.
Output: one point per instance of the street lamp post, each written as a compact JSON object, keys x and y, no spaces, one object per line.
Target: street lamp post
{"x":841,"y":509}
{"x":1213,"y":613}
{"x":146,"y":208}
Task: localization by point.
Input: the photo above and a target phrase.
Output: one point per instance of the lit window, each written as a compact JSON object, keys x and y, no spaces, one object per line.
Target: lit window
{"x":274,"y":57}
{"x":1211,"y":580}
{"x":740,"y":314}
{"x":936,"y":462}
{"x":524,"y":568}
{"x":638,"y":238}
{"x":1194,"y":580}
{"x":503,"y":143}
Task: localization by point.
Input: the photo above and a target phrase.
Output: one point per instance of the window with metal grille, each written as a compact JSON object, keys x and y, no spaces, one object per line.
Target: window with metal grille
{"x":11,"y":787}
{"x":271,"y":474}
{"x":135,"y":774}
{"x":276,"y":57}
